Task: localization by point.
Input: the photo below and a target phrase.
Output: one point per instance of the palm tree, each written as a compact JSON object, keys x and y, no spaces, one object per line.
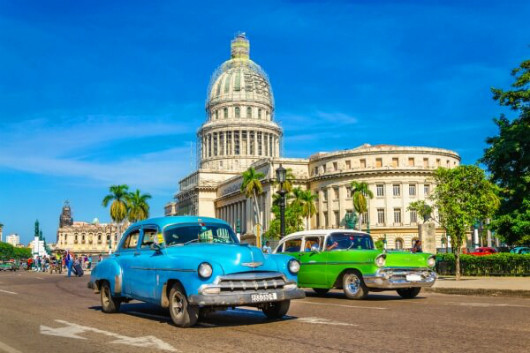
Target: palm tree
{"x":360,"y":193}
{"x":137,"y":206}
{"x":308,"y":206}
{"x":252,"y":187}
{"x":118,"y":208}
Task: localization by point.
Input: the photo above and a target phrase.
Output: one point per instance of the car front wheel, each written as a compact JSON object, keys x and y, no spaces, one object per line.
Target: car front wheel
{"x":182,"y":313}
{"x":109,"y":304}
{"x":276,"y":310}
{"x":353,"y":286}
{"x":408,"y":293}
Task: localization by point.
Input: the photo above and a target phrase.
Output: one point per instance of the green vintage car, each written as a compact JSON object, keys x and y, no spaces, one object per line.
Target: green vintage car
{"x":348,"y":260}
{"x":8,"y":266}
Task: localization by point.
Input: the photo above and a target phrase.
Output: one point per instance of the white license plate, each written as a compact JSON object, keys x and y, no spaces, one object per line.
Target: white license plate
{"x":265,"y":297}
{"x":413,"y":278}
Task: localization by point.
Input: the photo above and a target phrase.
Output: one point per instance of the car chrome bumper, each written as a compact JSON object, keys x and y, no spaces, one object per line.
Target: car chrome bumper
{"x":245,"y":297}
{"x":393,"y":278}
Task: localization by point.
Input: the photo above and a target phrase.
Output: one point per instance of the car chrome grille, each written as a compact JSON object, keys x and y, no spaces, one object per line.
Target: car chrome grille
{"x":251,"y":282}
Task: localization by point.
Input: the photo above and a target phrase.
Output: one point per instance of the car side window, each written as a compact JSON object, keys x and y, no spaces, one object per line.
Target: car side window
{"x":313,"y":243}
{"x":293,"y":245}
{"x":149,"y":237}
{"x":132,"y":239}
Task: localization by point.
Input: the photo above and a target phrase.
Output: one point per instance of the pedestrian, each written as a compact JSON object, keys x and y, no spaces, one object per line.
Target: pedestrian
{"x":267,"y":248}
{"x":417,"y":246}
{"x":69,"y":260}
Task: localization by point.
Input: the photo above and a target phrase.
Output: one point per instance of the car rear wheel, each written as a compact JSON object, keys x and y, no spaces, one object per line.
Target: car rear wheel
{"x":182,"y":313}
{"x":109,"y":304}
{"x":353,"y":286}
{"x":276,"y":310}
{"x":408,"y":293}
{"x":321,"y":291}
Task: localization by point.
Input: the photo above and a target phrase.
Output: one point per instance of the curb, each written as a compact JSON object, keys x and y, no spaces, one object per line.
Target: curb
{"x":481,"y":292}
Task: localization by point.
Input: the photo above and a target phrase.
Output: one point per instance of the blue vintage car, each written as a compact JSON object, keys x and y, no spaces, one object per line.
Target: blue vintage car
{"x":193,"y":265}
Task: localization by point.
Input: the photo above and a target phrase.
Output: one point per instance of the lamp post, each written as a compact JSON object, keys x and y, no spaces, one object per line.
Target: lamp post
{"x":281,"y":174}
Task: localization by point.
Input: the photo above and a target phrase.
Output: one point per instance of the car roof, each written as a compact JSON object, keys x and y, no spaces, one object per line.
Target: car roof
{"x":321,"y":232}
{"x":168,"y":220}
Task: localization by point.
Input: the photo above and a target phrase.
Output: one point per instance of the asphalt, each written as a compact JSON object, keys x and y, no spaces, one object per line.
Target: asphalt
{"x":489,"y":286}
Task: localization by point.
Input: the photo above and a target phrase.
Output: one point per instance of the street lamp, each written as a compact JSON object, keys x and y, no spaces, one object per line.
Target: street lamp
{"x":281,"y":174}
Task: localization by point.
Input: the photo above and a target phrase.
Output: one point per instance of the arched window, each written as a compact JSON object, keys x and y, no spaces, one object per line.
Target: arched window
{"x":237,"y":112}
{"x":227,"y":82}
{"x":259,"y":113}
{"x":225,"y":113}
{"x":219,"y":87}
{"x":237,"y":84}
{"x":216,"y":114}
{"x":249,"y":112}
{"x":399,"y":244}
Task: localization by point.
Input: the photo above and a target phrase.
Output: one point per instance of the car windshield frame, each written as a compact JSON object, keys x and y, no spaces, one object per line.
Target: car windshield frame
{"x":198,"y":233}
{"x":356,"y":241}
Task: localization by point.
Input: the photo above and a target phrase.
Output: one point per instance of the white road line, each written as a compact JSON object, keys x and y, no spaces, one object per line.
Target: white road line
{"x":321,"y":321}
{"x":6,"y":291}
{"x":72,"y":330}
{"x":8,"y":349}
{"x":339,"y":305}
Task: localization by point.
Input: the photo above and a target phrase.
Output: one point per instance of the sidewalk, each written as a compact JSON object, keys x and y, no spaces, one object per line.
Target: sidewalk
{"x":491,"y":286}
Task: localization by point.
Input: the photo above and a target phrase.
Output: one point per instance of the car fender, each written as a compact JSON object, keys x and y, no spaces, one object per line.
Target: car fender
{"x":108,"y":270}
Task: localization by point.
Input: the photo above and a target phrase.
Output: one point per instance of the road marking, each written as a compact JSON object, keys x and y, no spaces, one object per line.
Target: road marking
{"x":8,"y":349}
{"x":72,"y":330}
{"x":320,"y":321}
{"x":6,"y":291}
{"x":340,"y":305}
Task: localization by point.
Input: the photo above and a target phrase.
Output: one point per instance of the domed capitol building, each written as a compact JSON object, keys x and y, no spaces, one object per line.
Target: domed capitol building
{"x":240,"y":132}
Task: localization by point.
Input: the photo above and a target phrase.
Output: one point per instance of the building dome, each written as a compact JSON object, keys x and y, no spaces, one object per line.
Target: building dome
{"x":240,"y":79}
{"x":240,"y":127}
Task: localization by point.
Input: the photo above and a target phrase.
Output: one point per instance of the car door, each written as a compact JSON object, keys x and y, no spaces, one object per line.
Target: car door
{"x":144,"y":266}
{"x":313,"y":261}
{"x":125,"y":257}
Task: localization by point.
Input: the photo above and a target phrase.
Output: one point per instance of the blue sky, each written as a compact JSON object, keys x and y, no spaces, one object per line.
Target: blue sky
{"x":96,"y":93}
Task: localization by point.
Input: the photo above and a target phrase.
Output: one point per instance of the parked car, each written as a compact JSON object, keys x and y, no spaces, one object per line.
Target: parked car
{"x":191,"y":265}
{"x":347,"y":259}
{"x":520,"y":250}
{"x":484,"y":250}
{"x":8,"y":266}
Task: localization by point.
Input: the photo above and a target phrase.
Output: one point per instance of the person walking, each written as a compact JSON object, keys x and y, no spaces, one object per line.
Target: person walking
{"x":267,"y":248}
{"x":69,"y":260}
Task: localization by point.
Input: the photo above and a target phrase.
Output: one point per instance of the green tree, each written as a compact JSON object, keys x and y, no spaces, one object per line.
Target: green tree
{"x":137,"y":206}
{"x":424,"y":210}
{"x":252,"y":187}
{"x":308,"y":206}
{"x":118,"y":208}
{"x":508,"y":159}
{"x":463,"y":196}
{"x":360,"y":193}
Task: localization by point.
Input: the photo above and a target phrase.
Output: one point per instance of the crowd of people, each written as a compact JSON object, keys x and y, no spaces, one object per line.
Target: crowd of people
{"x":65,"y":261}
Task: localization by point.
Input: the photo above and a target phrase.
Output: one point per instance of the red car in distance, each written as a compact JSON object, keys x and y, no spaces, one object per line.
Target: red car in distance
{"x":484,"y":250}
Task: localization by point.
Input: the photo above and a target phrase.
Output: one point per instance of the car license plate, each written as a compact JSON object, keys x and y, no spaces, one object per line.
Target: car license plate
{"x":413,"y":278}
{"x":265,"y":297}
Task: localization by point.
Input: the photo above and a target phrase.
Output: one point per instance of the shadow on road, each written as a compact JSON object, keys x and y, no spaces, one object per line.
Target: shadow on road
{"x":372,"y":296}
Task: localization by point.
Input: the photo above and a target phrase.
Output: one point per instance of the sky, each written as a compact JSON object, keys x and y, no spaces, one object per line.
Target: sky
{"x":99,"y":93}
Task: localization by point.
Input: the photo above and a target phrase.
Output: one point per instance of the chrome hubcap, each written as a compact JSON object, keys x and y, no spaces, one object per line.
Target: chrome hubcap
{"x":177,"y":304}
{"x":352,"y":284}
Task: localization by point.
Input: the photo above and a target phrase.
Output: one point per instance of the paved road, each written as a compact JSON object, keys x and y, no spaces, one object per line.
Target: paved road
{"x":53,"y":313}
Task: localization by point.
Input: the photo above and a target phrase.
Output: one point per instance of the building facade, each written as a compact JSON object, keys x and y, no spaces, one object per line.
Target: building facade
{"x":240,"y":132}
{"x":83,"y":237}
{"x":13,"y":239}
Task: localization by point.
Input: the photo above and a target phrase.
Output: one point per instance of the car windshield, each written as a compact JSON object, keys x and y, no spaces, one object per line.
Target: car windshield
{"x":352,"y":241}
{"x":183,"y":234}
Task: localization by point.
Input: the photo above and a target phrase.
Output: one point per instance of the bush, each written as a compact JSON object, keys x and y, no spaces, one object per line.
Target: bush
{"x":501,"y":264}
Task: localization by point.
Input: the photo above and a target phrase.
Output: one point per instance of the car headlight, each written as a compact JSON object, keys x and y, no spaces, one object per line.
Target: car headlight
{"x":205,"y":270}
{"x":380,"y":260}
{"x":431,"y":261}
{"x":293,"y":266}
